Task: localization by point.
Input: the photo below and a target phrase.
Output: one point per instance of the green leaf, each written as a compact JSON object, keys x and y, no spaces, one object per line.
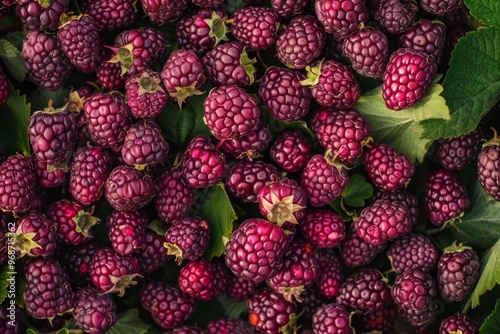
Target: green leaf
{"x":14,"y":117}
{"x":233,"y":309}
{"x":402,"y":129}
{"x":492,"y":323}
{"x":487,"y":11}
{"x":31,"y":331}
{"x":480,"y":225}
{"x":4,"y":283}
{"x":356,"y":193}
{"x":39,"y":98}
{"x":63,"y":331}
{"x":471,"y":86}
{"x":213,"y":204}
{"x":129,"y":322}
{"x":13,"y":59}
{"x":488,"y":277}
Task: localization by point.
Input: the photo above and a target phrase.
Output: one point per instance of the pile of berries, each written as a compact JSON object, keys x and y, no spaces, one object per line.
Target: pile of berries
{"x":107,"y":205}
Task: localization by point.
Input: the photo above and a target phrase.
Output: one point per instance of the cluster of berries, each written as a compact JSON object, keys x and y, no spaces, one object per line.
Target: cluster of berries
{"x":296,"y":263}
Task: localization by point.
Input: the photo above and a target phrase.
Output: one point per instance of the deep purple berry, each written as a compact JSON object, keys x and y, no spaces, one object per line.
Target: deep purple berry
{"x":488,"y":165}
{"x":46,"y":177}
{"x":440,"y":7}
{"x":109,"y":74}
{"x":341,"y":18}
{"x":301,"y":42}
{"x":17,"y":184}
{"x":290,"y":150}
{"x":152,"y":256}
{"x":458,"y":323}
{"x":380,"y":320}
{"x":395,"y":16}
{"x":239,"y":288}
{"x":331,"y":273}
{"x":388,"y":168}
{"x":356,"y":252}
{"x":445,"y":197}
{"x":414,"y":251}
{"x":112,"y":14}
{"x":455,"y":153}
{"x":175,"y":196}
{"x":323,"y":228}
{"x":93,"y":311}
{"x":188,"y":238}
{"x":249,"y":146}
{"x":382,"y":221}
{"x":161,"y":12}
{"x":403,"y":196}
{"x":269,"y":312}
{"x":47,"y":290}
{"x":228,"y":326}
{"x":4,"y":89}
{"x":76,"y":261}
{"x":425,"y":36}
{"x":283,"y":95}
{"x":255,"y":26}
{"x":332,"y":318}
{"x":126,"y":230}
{"x":35,"y":235}
{"x":407,"y":78}
{"x":288,"y":8}
{"x":343,"y":132}
{"x":413,"y":290}
{"x":256,"y":249}
{"x":41,"y":15}
{"x":244,"y":179}
{"x":202,"y":279}
{"x":458,"y":271}
{"x":145,"y":94}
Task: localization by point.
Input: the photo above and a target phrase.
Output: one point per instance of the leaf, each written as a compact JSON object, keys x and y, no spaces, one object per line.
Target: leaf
{"x":480,"y":225}
{"x":129,"y":322}
{"x":63,"y":331}
{"x":40,"y":98}
{"x":14,"y":117}
{"x":471,"y":86}
{"x":31,"y":331}
{"x":402,"y":129}
{"x":488,"y":277}
{"x":4,"y":283}
{"x":233,"y":309}
{"x":13,"y":59}
{"x":492,"y":323}
{"x":357,"y":191}
{"x":487,"y":11}
{"x":213,"y":204}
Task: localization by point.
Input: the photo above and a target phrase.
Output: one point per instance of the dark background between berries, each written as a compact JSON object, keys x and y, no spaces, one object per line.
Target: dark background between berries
{"x":479,"y":228}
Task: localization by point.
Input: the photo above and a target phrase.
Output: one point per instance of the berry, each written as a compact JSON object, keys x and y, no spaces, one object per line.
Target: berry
{"x":425,"y":36}
{"x":413,"y":290}
{"x":290,"y":150}
{"x":9,"y":311}
{"x":341,"y":18}
{"x":323,"y":181}
{"x":164,"y":11}
{"x":47,"y":291}
{"x":145,"y":94}
{"x":388,"y":168}
{"x":301,"y":41}
{"x":282,"y":201}
{"x":414,"y":251}
{"x":365,"y":291}
{"x":201,"y":31}
{"x":458,"y":323}
{"x":440,"y":7}
{"x":80,"y":41}
{"x":332,"y":318}
{"x":111,"y":272}
{"x":169,"y":306}
{"x":112,"y":14}
{"x":342,"y":132}
{"x":188,"y":238}
{"x":418,"y":319}
{"x":249,"y":146}
{"x":175,"y":196}
{"x":395,"y":16}
{"x":228,"y":326}
{"x":17,"y":184}
{"x":283,"y":95}
{"x":144,"y":145}
{"x":76,"y":261}
{"x":256,"y":249}
{"x":202,"y":279}
{"x":300,"y":270}
{"x":4,"y":89}
{"x":41,"y":16}
{"x":255,"y":26}
{"x":488,"y":165}
{"x":445,"y":197}
{"x":382,"y":221}
{"x":404,"y":197}
{"x":44,"y":177}
{"x":152,"y":256}
{"x":407,"y":78}
{"x":331,"y":273}
{"x":127,"y":188}
{"x":126,"y":230}
{"x":183,"y":75}
{"x":269,"y":312}
{"x":138,"y":49}
{"x":230,"y":112}
{"x":229,"y":64}
{"x":455,"y":153}
{"x":108,"y":118}
{"x":202,"y":164}
{"x":380,"y":320}
{"x":332,"y":84}
{"x":94,"y":312}
{"x":458,"y":271}
{"x":323,"y":228}
{"x":52,"y":134}
{"x":244,"y":179}
{"x":368,"y":51}
{"x":185,"y":330}
{"x":207,"y":3}
{"x":45,"y":61}
{"x":90,"y":168}
{"x":288,"y":8}
{"x":240,"y":289}
{"x":35,"y":235}
{"x":72,"y":221}
{"x":109,"y":74}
